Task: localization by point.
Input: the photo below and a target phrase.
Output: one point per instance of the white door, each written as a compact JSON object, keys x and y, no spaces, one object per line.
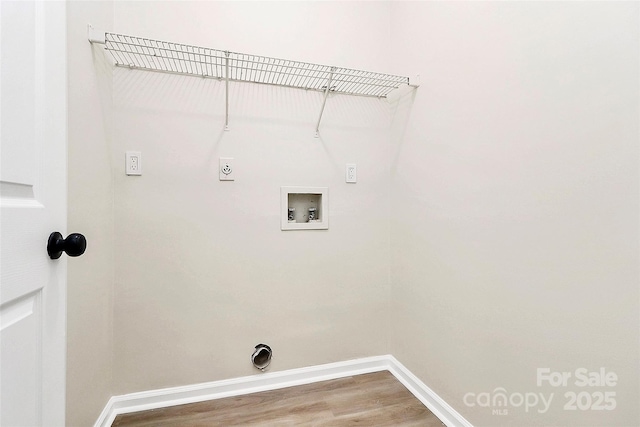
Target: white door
{"x":33,"y":204}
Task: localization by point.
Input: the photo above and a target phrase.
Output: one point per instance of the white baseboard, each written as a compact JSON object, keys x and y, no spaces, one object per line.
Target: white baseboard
{"x":428,"y":397}
{"x":154,"y":399}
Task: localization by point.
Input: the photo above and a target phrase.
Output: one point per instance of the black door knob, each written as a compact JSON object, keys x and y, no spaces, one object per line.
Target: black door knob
{"x":74,"y":245}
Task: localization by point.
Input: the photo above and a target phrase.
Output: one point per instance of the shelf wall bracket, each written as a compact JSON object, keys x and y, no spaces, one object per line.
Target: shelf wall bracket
{"x":96,"y":36}
{"x":324,"y":101}
{"x":226,"y":91}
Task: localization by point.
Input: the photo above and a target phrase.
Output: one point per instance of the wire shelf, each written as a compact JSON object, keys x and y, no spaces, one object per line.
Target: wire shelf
{"x":154,"y":55}
{"x":178,"y":58}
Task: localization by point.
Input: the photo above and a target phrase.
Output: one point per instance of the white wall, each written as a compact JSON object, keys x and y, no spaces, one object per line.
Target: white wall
{"x":202,"y":270}
{"x":90,"y":208}
{"x":512,"y":206}
{"x":515,"y":202}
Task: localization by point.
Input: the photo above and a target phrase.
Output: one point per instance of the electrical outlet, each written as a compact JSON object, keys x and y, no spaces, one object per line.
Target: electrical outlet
{"x":351,"y":173}
{"x":133,"y":163}
{"x":227,"y":172}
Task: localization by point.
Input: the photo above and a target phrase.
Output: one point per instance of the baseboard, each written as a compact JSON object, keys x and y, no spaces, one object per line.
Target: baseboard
{"x":154,"y":399}
{"x":428,"y":397}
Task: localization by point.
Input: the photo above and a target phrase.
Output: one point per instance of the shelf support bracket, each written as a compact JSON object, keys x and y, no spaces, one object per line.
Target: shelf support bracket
{"x":226,"y":91}
{"x":96,"y":36}
{"x":324,"y":101}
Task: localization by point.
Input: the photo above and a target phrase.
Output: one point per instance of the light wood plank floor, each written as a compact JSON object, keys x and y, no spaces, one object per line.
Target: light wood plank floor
{"x":377,"y":399}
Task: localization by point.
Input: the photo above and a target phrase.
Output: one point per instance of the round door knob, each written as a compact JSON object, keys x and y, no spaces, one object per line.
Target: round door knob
{"x":74,"y":245}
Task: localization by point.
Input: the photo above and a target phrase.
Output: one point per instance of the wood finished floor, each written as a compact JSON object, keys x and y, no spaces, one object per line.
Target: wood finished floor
{"x":377,"y":399}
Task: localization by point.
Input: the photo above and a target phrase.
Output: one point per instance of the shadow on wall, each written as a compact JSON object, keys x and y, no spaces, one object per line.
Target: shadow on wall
{"x":400,"y":104}
{"x":145,"y":91}
{"x":104,"y":77}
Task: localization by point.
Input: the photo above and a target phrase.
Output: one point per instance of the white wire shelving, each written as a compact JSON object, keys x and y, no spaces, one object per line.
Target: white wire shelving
{"x":177,"y":58}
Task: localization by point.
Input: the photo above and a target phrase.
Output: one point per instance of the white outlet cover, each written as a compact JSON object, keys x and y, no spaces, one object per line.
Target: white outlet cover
{"x":226,"y":169}
{"x":133,"y":163}
{"x":351,"y":174}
